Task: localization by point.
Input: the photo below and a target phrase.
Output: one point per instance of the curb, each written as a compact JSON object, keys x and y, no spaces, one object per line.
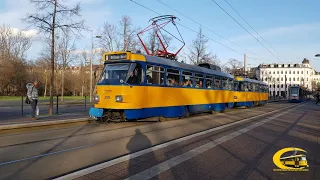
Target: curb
{"x":43,"y":123}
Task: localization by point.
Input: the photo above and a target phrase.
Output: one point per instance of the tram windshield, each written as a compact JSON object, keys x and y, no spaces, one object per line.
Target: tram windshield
{"x":294,"y":91}
{"x":113,"y":73}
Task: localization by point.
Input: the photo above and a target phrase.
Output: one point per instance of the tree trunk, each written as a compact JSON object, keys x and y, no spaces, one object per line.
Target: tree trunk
{"x":52,"y":57}
{"x":45,"y":86}
{"x":62,"y":84}
{"x":82,"y":90}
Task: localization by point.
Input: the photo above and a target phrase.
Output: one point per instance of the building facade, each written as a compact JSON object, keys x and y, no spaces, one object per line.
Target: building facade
{"x":280,"y":77}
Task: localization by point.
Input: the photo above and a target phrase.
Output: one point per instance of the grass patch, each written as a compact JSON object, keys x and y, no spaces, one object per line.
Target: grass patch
{"x":43,"y":98}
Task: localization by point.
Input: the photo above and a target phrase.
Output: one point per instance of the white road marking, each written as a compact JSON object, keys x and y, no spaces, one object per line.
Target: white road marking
{"x":157,"y":169}
{"x":160,"y":146}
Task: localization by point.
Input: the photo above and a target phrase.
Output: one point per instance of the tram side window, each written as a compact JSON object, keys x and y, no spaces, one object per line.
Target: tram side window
{"x":245,"y":86}
{"x":236,"y":86}
{"x":173,"y":77}
{"x":217,"y":82}
{"x":249,"y":86}
{"x":198,"y":78}
{"x":209,"y":81}
{"x":136,"y":74}
{"x":224,"y":83}
{"x":155,"y":75}
{"x":186,"y":79}
{"x":230,"y":84}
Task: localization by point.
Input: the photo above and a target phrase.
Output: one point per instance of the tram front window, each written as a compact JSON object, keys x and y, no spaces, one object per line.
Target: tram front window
{"x":113,"y":73}
{"x":294,"y":91}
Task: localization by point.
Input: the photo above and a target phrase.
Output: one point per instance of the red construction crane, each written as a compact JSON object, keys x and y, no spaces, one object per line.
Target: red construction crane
{"x":157,"y":25}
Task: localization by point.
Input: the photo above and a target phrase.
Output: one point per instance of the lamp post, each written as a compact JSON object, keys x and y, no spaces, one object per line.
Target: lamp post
{"x":91,"y":57}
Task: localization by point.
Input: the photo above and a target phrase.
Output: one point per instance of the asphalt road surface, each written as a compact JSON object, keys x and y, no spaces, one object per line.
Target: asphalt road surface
{"x":242,"y":149}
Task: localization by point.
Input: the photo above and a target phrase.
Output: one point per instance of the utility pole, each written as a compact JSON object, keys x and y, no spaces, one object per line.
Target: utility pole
{"x":91,"y":56}
{"x":245,"y":64}
{"x":91,"y":59}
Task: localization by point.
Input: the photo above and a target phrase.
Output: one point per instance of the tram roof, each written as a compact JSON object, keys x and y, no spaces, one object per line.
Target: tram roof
{"x":168,"y":62}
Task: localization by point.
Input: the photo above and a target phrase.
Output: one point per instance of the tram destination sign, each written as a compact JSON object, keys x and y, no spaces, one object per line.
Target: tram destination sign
{"x":112,"y":57}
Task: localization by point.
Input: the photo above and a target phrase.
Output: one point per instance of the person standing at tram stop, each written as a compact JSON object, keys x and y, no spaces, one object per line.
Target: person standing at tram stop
{"x":32,"y":93}
{"x":317,"y":98}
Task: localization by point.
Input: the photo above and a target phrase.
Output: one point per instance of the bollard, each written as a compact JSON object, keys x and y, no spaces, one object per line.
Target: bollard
{"x":57,"y":104}
{"x":21,"y":105}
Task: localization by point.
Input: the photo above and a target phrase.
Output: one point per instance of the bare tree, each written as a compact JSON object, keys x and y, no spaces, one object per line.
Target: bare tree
{"x":66,"y":46}
{"x":53,"y":15}
{"x":13,"y":46}
{"x":232,"y":66}
{"x":198,"y":51}
{"x":110,"y":38}
{"x":128,"y":34}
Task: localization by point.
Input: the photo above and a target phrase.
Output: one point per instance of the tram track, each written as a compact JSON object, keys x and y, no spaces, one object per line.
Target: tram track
{"x":115,"y":139}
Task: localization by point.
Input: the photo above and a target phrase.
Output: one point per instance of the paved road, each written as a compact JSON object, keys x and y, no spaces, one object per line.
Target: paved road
{"x":235,"y":151}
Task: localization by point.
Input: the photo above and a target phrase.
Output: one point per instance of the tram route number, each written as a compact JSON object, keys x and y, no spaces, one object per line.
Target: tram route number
{"x":235,"y":97}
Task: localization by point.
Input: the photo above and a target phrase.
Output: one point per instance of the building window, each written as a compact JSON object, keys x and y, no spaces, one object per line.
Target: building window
{"x":307,"y":72}
{"x":293,"y":72}
{"x":286,"y":72}
{"x":278,"y":86}
{"x":281,"y":72}
{"x":289,"y":78}
{"x":307,"y":79}
{"x":274,"y":72}
{"x":294,"y":79}
{"x":277,"y":79}
{"x":289,"y":72}
{"x":301,"y":72}
{"x":266,"y":79}
{"x":297,"y":72}
{"x":270,"y":85}
{"x":277,"y":72}
{"x":269,"y":72}
{"x":281,"y":85}
{"x":281,"y":79}
{"x":298,"y":78}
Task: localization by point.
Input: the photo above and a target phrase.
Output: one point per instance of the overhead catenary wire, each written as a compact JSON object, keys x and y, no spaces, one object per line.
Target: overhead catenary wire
{"x":194,"y":31}
{"x":245,"y":29}
{"x":255,"y":30}
{"x":211,"y":30}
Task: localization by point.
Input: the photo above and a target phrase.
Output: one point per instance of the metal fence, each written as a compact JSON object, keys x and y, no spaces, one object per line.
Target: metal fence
{"x":59,"y":107}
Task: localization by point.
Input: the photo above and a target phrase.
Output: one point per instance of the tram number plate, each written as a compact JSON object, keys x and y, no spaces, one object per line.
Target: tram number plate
{"x":235,"y":97}
{"x":107,"y":97}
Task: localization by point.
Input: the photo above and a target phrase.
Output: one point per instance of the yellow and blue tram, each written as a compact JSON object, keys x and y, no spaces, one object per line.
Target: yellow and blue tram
{"x":135,"y":86}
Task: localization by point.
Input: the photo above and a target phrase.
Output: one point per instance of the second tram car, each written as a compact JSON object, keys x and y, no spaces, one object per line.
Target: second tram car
{"x":297,"y":94}
{"x":136,"y":86}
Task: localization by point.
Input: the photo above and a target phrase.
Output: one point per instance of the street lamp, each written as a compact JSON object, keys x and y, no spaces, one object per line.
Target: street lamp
{"x":91,"y":57}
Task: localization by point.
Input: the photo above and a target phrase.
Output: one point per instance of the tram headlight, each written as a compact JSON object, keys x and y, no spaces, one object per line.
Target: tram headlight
{"x":119,"y":98}
{"x":96,"y":98}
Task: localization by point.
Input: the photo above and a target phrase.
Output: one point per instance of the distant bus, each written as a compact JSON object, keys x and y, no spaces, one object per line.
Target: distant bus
{"x":297,"y":94}
{"x":295,"y":161}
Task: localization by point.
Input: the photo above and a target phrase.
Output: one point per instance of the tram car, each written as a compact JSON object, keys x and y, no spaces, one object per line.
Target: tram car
{"x":134,"y":86}
{"x":297,"y":94}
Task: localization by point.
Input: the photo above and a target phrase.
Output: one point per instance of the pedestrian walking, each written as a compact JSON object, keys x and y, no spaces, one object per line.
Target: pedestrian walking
{"x":317,"y":98}
{"x":32,"y":93}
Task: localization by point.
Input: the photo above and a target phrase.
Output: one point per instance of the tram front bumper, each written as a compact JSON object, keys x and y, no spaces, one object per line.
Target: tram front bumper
{"x":96,"y":112}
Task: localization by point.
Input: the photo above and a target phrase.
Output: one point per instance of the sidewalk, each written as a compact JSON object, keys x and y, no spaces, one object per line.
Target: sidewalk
{"x":45,"y":120}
